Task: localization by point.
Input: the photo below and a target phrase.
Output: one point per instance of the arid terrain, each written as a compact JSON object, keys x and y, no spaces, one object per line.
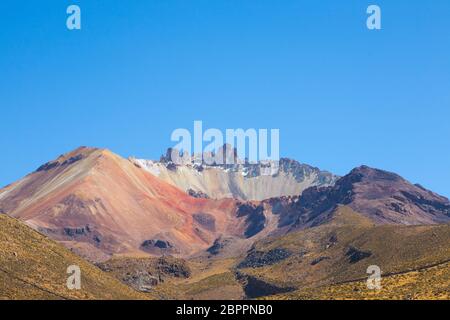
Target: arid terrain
{"x":142,"y":229}
{"x":34,"y":267}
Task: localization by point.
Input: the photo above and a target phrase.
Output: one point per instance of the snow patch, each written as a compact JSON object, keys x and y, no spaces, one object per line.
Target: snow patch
{"x":148,"y":165}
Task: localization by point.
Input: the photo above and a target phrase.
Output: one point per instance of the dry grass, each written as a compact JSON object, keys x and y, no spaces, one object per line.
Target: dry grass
{"x":34,"y":267}
{"x":426,"y":284}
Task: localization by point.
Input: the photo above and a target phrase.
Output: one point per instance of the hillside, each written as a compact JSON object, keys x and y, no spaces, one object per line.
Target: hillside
{"x":34,"y":267}
{"x":342,"y":249}
{"x":430,"y":283}
{"x":323,"y":261}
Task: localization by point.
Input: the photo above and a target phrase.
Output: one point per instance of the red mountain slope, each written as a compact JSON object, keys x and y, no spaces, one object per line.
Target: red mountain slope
{"x":98,"y":202}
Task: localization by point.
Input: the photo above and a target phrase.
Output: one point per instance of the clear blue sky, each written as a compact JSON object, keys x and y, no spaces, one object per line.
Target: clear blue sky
{"x":340,"y":94}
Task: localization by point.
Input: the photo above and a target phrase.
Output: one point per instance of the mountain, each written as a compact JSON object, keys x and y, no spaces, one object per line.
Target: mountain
{"x":243,"y":181}
{"x":381,"y":196}
{"x":34,"y":267}
{"x":124,"y":214}
{"x":101,"y":204}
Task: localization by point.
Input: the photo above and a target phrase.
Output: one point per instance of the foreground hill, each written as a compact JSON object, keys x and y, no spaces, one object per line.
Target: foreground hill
{"x":322,"y":261}
{"x":342,"y":249}
{"x":34,"y":267}
{"x":431,"y":283}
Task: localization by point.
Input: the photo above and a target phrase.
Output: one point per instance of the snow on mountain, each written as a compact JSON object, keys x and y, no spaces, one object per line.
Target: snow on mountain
{"x":244,"y":181}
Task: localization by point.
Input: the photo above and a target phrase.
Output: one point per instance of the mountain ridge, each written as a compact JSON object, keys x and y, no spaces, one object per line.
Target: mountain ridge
{"x":101,"y":204}
{"x":113,"y":211}
{"x":239,"y":180}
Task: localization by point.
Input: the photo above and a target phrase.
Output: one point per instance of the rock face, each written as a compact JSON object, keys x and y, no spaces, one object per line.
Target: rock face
{"x":244,"y":181}
{"x":356,"y":255}
{"x":255,"y":288}
{"x":319,"y":260}
{"x":254,"y":217}
{"x":158,"y":247}
{"x":218,"y":245}
{"x":143,"y":274}
{"x":197,"y":194}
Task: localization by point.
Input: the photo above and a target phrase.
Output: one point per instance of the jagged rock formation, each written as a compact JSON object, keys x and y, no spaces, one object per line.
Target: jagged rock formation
{"x":244,"y":181}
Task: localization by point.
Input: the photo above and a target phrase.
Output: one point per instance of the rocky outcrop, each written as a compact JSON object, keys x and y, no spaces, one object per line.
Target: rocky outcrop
{"x":144,"y":273}
{"x":218,"y":245}
{"x":255,"y":218}
{"x":355,"y":255}
{"x":59,"y":163}
{"x":173,"y":267}
{"x":158,"y":246}
{"x":87,"y":233}
{"x":257,"y":259}
{"x":255,"y":287}
{"x":197,"y":194}
{"x":319,"y":259}
{"x":302,"y":171}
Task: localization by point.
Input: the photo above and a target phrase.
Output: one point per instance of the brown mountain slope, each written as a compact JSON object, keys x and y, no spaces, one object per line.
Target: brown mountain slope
{"x":432,"y":283}
{"x":381,"y":196}
{"x":34,"y":267}
{"x":320,"y":261}
{"x":99,"y":202}
{"x":342,"y":249}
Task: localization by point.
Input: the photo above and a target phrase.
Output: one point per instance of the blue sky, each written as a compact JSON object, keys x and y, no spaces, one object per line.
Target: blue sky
{"x":340,"y":94}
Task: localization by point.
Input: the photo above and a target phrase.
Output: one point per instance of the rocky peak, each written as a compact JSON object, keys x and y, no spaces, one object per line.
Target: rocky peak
{"x":249,"y":170}
{"x":367,"y":173}
{"x":68,"y":158}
